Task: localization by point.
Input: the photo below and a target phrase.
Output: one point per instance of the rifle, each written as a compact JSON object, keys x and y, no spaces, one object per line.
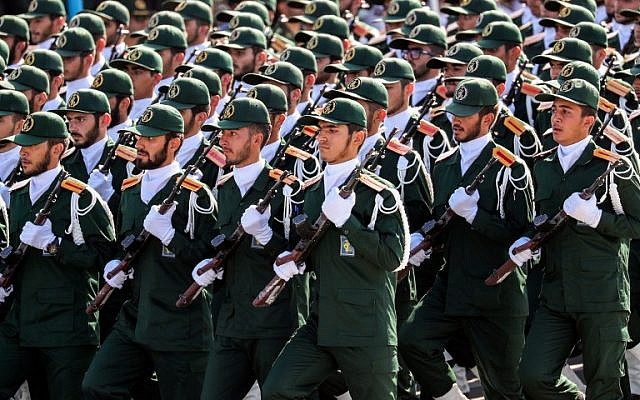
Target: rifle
{"x":226,"y":245}
{"x":432,"y":228}
{"x":311,"y":235}
{"x":546,"y":227}
{"x":609,"y":61}
{"x":371,"y":166}
{"x":516,"y":85}
{"x":312,"y":106}
{"x":13,"y":176}
{"x":12,"y":257}
{"x":121,"y":31}
{"x":412,"y":127}
{"x":118,"y":148}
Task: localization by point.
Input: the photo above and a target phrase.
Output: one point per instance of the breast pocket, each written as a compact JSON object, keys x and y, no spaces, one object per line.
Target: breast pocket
{"x":55,"y":309}
{"x":356,"y":312}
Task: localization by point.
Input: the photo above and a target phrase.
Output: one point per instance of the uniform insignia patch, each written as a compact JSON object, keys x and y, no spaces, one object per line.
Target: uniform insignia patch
{"x":346,"y":249}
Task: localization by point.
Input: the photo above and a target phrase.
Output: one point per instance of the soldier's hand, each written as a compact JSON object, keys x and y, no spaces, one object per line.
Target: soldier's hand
{"x":256,"y":224}
{"x":337,"y":209}
{"x":583,"y":210}
{"x":118,"y":279}
{"x":159,"y":225}
{"x":103,"y":184}
{"x":4,"y":194}
{"x":208,"y":277}
{"x":418,"y":258}
{"x":287,"y":270}
{"x":463,"y":204}
{"x":5,"y":292}
{"x":37,"y":236}
{"x":523,"y":256}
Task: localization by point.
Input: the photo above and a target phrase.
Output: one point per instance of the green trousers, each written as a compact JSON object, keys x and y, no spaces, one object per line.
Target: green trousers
{"x":550,"y":341}
{"x":370,"y":372}
{"x":63,"y":367}
{"x":496,"y":343}
{"x":235,"y":364}
{"x":122,"y":363}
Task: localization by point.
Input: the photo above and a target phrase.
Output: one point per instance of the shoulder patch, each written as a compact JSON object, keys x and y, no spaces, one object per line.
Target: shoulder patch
{"x":514,"y":125}
{"x":533,"y":39}
{"x":74,"y":185}
{"x":397,"y":147}
{"x":446,"y":154}
{"x":131,"y":181}
{"x":217,"y":157}
{"x":427,"y":128}
{"x":634,"y":115}
{"x":310,"y":182}
{"x":19,"y":184}
{"x":618,"y":87}
{"x":297,"y":153}
{"x":223,"y":179}
{"x":372,"y":182}
{"x":126,"y":153}
{"x":615,"y":135}
{"x":191,"y":184}
{"x":606,"y":155}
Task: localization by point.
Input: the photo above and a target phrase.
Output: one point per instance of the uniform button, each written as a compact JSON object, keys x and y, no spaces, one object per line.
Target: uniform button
{"x":346,"y":231}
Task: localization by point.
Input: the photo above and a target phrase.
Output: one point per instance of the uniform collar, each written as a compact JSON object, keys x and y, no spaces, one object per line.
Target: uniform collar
{"x":189,"y":147}
{"x":39,"y":184}
{"x":336,"y":174}
{"x":569,"y":155}
{"x":469,"y":151}
{"x":113,"y":131}
{"x":422,"y":89}
{"x":92,"y":154}
{"x":245,"y":177}
{"x":154,"y":180}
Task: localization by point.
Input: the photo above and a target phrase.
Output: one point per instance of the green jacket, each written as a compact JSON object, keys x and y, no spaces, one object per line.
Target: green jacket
{"x":52,"y":292}
{"x":355,"y":287}
{"x":210,"y":170}
{"x":473,"y":251}
{"x":504,"y":134}
{"x":586,"y":268}
{"x":162,"y":273}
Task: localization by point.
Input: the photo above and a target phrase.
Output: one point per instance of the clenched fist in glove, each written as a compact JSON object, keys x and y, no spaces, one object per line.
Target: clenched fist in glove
{"x":101,"y":183}
{"x":118,"y":279}
{"x":5,"y":292}
{"x":337,"y":209}
{"x":520,"y":258}
{"x":420,"y":256}
{"x":287,"y":270}
{"x":583,"y":210}
{"x":256,"y":224}
{"x":159,"y":225}
{"x":463,"y":204}
{"x":37,"y":236}
{"x":206,"y":278}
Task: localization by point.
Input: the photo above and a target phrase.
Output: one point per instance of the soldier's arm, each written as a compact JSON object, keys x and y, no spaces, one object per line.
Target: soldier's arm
{"x":625,"y":225}
{"x":418,"y":196}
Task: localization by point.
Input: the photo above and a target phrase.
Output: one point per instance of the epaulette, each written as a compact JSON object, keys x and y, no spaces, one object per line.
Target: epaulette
{"x":606,"y":155}
{"x":191,"y":184}
{"x":73,"y":185}
{"x":514,"y":125}
{"x":529,"y":76}
{"x":618,"y":87}
{"x":615,"y":135}
{"x":634,"y":115}
{"x":19,"y":184}
{"x":529,"y":89}
{"x":297,"y":153}
{"x":545,"y":105}
{"x":533,"y":39}
{"x":372,"y":182}
{"x":397,"y":147}
{"x":131,"y":181}
{"x":441,"y":91}
{"x":224,"y":178}
{"x":310,"y":182}
{"x":126,"y":153}
{"x":434,"y":112}
{"x":446,"y":154}
{"x":605,"y":105}
{"x":217,"y":157}
{"x":427,"y":128}
{"x":524,"y":27}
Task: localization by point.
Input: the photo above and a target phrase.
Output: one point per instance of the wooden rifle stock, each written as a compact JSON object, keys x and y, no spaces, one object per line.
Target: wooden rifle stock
{"x":412,"y":127}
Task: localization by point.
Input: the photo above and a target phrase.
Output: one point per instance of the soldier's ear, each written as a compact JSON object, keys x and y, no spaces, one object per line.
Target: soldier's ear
{"x":296,"y":94}
{"x":105,"y":120}
{"x":100,"y":44}
{"x":409,"y":88}
{"x":500,"y":88}
{"x":310,"y":80}
{"x":214,"y":101}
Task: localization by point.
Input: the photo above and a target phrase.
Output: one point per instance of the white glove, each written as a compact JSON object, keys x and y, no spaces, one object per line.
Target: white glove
{"x":208,"y":277}
{"x":160,"y":225}
{"x":103,"y":184}
{"x":523,"y":256}
{"x":4,"y":193}
{"x":5,"y":292}
{"x":287,"y":270}
{"x":38,"y":236}
{"x":419,"y":257}
{"x":337,"y":209}
{"x":256,"y":224}
{"x":118,"y":280}
{"x":583,"y":210}
{"x":463,"y":204}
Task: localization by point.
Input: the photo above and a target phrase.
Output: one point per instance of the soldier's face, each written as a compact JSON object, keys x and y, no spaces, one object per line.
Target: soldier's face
{"x":40,"y":29}
{"x":9,"y":125}
{"x":562,"y":32}
{"x":239,"y":146}
{"x":84,"y":129}
{"x":35,"y":159}
{"x":111,"y":28}
{"x":335,"y":143}
{"x":142,"y":81}
{"x":323,"y":76}
{"x":556,"y":67}
{"x":466,"y":128}
{"x":244,"y":61}
{"x":567,"y":122}
{"x":74,"y":67}
{"x":453,"y":71}
{"x":419,"y":64}
{"x":466,"y":22}
{"x":191,"y":28}
{"x":625,"y":4}
{"x":152,"y":152}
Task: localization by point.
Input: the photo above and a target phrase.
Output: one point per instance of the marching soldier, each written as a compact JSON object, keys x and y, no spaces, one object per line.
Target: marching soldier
{"x":327,"y":50}
{"x":50,"y":62}
{"x":305,"y":60}
{"x":95,"y":26}
{"x":198,"y":21}
{"x":14,"y":108}
{"x":46,"y":20}
{"x":58,"y":273}
{"x":359,"y":61}
{"x":247,"y":47}
{"x":169,"y":42}
{"x":15,"y":32}
{"x":33,"y":83}
{"x":221,"y":63}
{"x":118,"y":88}
{"x":77,"y":49}
{"x":115,"y":16}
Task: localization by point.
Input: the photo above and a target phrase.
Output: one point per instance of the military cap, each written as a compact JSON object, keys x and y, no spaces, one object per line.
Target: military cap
{"x":171,"y":4}
{"x":471,"y":95}
{"x":6,"y":85}
{"x":315,"y":10}
{"x":41,"y":8}
{"x":214,"y":59}
{"x":577,"y":70}
{"x":391,"y":70}
{"x":301,"y":58}
{"x":73,"y":42}
{"x":556,"y":5}
{"x":270,"y":4}
{"x":40,"y":127}
{"x":591,"y":33}
{"x":271,"y":96}
{"x":568,"y":16}
{"x":13,"y":102}
{"x":3,"y":67}
{"x":138,"y":8}
{"x":185,"y":93}
{"x":160,"y":18}
{"x":88,"y":101}
{"x":27,"y":77}
{"x":14,"y":26}
{"x":240,"y":113}
{"x":577,"y":91}
{"x":195,"y":9}
{"x":415,"y":17}
{"x":250,"y":6}
{"x":488,"y":67}
{"x":140,"y":56}
{"x":158,"y":120}
{"x":357,"y":58}
{"x":330,"y":24}
{"x":496,"y":34}
{"x":340,"y":111}
{"x":113,"y":82}
{"x":324,"y":45}
{"x":362,"y":88}
{"x":399,"y":9}
{"x":471,"y":7}
{"x":111,"y":10}
{"x":208,"y":77}
{"x":459,"y":54}
{"x":422,"y":34}
{"x":4,"y":50}
{"x":166,"y":37}
{"x":565,"y":50}
{"x":242,"y":37}
{"x":280,"y":72}
{"x":630,"y":13}
{"x":90,"y":22}
{"x":241,"y":19}
{"x":484,"y":19}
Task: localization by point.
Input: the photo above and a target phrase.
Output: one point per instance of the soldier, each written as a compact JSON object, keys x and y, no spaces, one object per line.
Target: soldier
{"x":468,"y":13}
{"x":169,"y":42}
{"x":14,"y":108}
{"x":306,"y":62}
{"x":33,"y":83}
{"x":247,"y":47}
{"x":394,"y":21}
{"x":150,"y":333}
{"x":76,"y":47}
{"x":95,"y":26}
{"x":198,"y":22}
{"x":488,"y":219}
{"x":486,"y":17}
{"x":312,"y":12}
{"x":595,"y":235}
{"x":116,"y":19}
{"x":50,"y":62}
{"x":15,"y":32}
{"x":325,"y":23}
{"x":562,"y":52}
{"x":58,"y":274}
{"x":338,"y":334}
{"x":118,"y":87}
{"x":596,"y":36}
{"x":568,"y":16}
{"x":221,"y":63}
{"x":327,"y":50}
{"x":359,"y":61}
{"x":46,"y":20}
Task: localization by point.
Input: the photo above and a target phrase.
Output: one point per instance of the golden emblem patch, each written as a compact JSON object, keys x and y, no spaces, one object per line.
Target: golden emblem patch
{"x":567,"y":71}
{"x":228,"y":112}
{"x":412,"y":18}
{"x":181,"y":6}
{"x":134,"y":55}
{"x":564,"y":12}
{"x":61,"y":41}
{"x":394,"y":8}
{"x":473,"y":66}
{"x":487,"y":30}
{"x":318,"y":24}
{"x":201,"y":57}
{"x":97,"y":81}
{"x":30,"y":59}
{"x":354,"y":84}
{"x":558,"y":47}
{"x":153,"y":35}
{"x":102,"y":6}
{"x":28,"y":124}
{"x":310,"y":8}
{"x":146,"y":116}
{"x":74,"y":22}
{"x":313,"y":43}
{"x":153,"y":22}
{"x":33,"y":6}
{"x":461,"y":93}
{"x":74,"y":100}
{"x":174,"y":91}
{"x":380,"y":68}
{"x":329,"y":107}
{"x":234,"y":35}
{"x":270,"y":69}
{"x":15,"y":74}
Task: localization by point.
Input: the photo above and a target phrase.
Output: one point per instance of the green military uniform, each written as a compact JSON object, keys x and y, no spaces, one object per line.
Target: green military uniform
{"x":459,"y":299}
{"x":54,"y":284}
{"x":151,"y":333}
{"x":585,"y":294}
